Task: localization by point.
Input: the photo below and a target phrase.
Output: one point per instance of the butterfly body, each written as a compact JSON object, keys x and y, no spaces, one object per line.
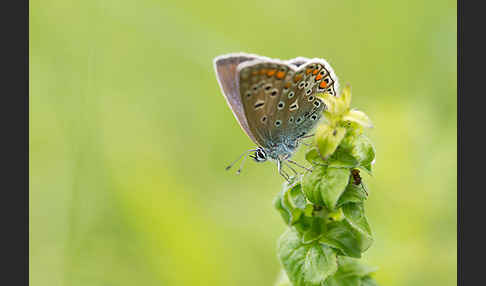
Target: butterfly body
{"x":274,"y":101}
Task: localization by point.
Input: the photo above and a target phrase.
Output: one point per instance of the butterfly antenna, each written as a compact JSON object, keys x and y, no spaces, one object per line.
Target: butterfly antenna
{"x":241,"y":166}
{"x":244,"y":153}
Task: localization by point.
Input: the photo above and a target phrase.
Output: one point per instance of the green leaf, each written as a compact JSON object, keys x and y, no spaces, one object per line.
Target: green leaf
{"x":352,"y":194}
{"x":363,"y":150}
{"x":294,"y":198}
{"x":305,"y":264}
{"x":359,"y":117}
{"x":315,"y":231}
{"x":328,"y":139}
{"x":283,"y":280}
{"x":290,"y":203}
{"x":304,"y":224}
{"x":350,"y":273}
{"x":368,"y":281}
{"x":343,"y":281}
{"x":368,"y":168}
{"x":351,"y":266}
{"x":352,"y":235}
{"x":320,"y":262}
{"x":342,"y":158}
{"x":284,"y":213}
{"x":313,"y":157}
{"x":354,"y":213}
{"x":343,"y":237}
{"x":346,"y":95}
{"x":324,"y":185}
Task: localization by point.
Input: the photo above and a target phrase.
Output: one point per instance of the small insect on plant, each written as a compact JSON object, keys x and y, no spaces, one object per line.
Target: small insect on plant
{"x":275,"y":102}
{"x":357,"y":179}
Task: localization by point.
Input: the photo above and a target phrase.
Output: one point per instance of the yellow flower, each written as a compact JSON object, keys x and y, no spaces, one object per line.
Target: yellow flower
{"x":340,"y":120}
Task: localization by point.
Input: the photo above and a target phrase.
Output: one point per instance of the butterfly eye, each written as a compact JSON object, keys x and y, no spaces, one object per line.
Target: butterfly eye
{"x":278,"y":123}
{"x":274,"y":92}
{"x":281,"y":105}
{"x":264,"y":119}
{"x":301,"y":85}
{"x":260,"y":156}
{"x":309,"y":91}
{"x":299,"y":120}
{"x":306,"y":85}
{"x":313,"y":117}
{"x":317,"y":103}
{"x":291,"y":94}
{"x":311,"y":98}
{"x":291,"y":119}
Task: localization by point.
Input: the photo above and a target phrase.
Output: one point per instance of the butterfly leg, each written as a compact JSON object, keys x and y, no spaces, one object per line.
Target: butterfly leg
{"x":282,"y":172}
{"x":304,"y":137}
{"x":293,"y":170}
{"x":298,"y":165}
{"x":307,"y":136}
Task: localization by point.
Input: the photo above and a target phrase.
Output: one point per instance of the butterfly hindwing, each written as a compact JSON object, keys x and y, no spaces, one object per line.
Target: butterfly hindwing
{"x":279,"y":99}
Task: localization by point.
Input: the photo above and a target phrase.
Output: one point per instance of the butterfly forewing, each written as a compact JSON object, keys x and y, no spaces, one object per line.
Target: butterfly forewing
{"x":226,"y":73}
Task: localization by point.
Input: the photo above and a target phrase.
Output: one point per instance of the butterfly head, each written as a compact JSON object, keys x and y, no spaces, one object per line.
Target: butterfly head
{"x":259,"y":155}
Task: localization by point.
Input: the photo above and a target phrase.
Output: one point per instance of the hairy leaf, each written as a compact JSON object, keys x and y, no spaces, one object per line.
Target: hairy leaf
{"x":363,"y":150}
{"x":305,"y":264}
{"x":352,"y":194}
{"x":359,"y":117}
{"x":324,"y":185}
{"x":327,"y":139}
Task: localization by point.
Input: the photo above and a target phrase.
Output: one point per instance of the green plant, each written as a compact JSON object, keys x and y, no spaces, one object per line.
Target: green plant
{"x":324,"y":209}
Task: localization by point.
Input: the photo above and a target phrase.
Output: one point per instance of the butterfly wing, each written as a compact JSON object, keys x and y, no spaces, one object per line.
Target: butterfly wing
{"x":225,"y":67}
{"x":298,"y":61}
{"x":279,"y":98}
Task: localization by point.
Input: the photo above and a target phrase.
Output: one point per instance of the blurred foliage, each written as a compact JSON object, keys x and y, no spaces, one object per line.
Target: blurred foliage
{"x":129,"y":137}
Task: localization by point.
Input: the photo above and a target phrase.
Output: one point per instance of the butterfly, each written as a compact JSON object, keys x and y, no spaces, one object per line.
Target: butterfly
{"x":274,"y":101}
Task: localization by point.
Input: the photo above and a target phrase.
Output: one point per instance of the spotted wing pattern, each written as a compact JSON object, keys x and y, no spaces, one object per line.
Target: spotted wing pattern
{"x":279,"y":99}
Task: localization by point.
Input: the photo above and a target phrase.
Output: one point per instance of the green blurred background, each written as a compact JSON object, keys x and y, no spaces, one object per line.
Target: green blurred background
{"x":129,"y":137}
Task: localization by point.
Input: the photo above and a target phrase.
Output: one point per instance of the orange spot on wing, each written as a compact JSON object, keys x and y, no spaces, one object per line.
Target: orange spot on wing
{"x":318,"y":77}
{"x":315,"y":71}
{"x":308,"y":71}
{"x":297,"y":77}
{"x":323,"y":84}
{"x":263,"y":71}
{"x":271,"y":72}
{"x":280,"y":75}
